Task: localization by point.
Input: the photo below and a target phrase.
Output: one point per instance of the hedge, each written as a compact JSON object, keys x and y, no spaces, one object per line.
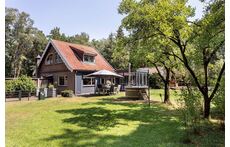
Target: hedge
{"x":23,"y":83}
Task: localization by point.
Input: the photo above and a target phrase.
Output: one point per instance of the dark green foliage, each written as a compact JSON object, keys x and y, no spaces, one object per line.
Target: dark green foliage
{"x":23,"y":42}
{"x":56,"y":34}
{"x":121,"y":52}
{"x":23,"y":83}
{"x":67,"y":93}
{"x":9,"y":85}
{"x":82,"y":38}
{"x":120,"y":34}
{"x":113,"y":50}
{"x":155,"y":81}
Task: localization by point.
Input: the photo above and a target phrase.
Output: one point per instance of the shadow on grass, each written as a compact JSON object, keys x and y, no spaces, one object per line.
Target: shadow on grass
{"x":94,"y":118}
{"x":147,"y":135}
{"x":157,"y":126}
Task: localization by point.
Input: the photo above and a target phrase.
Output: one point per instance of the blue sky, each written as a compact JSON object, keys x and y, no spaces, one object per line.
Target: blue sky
{"x":98,"y":18}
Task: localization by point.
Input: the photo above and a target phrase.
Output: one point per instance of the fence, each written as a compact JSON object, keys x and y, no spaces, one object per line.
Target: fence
{"x":19,"y":95}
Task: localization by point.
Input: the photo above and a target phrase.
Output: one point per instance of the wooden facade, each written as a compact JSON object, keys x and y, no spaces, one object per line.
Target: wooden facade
{"x":51,"y":73}
{"x":54,"y":68}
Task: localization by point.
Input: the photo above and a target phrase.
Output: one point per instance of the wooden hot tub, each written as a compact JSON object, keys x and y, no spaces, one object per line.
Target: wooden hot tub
{"x":136,"y":92}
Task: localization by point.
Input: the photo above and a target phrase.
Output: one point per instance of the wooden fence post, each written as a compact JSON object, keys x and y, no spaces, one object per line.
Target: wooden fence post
{"x":20,"y":95}
{"x":29,"y":95}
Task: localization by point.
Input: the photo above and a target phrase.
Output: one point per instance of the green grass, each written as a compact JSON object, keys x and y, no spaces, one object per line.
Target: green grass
{"x":99,"y":121}
{"x":158,"y":95}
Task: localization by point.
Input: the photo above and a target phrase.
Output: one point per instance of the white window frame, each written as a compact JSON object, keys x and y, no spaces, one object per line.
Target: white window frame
{"x":91,"y":81}
{"x":88,"y":61}
{"x":46,"y":63}
{"x":65,"y":78}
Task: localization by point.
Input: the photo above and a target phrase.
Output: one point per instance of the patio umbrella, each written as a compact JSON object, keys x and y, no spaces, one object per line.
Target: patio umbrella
{"x":104,"y":73}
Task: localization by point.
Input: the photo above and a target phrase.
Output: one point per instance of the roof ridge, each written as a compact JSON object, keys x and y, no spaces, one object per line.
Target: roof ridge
{"x":70,"y":43}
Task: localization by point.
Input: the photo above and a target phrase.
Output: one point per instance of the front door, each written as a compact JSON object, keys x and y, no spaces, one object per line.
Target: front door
{"x":78,"y":83}
{"x":50,"y":80}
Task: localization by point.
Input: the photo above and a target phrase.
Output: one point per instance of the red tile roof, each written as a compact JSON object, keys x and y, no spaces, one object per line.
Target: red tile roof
{"x":67,"y":52}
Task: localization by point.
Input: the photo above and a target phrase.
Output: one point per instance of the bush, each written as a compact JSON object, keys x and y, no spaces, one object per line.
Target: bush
{"x":9,"y":85}
{"x":67,"y":93}
{"x":23,"y":83}
{"x":155,"y":81}
{"x":191,"y":110}
{"x":219,"y":99}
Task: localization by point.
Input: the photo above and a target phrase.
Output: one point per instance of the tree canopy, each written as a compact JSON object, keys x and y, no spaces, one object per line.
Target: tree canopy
{"x":198,"y":44}
{"x":23,"y":42}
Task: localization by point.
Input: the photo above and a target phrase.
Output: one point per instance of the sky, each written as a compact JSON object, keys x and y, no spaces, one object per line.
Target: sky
{"x":98,"y":18}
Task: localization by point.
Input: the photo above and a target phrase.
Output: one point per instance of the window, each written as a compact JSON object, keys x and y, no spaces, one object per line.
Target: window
{"x":49,"y":59}
{"x":62,"y":81}
{"x":58,"y":58}
{"x":88,"y":81}
{"x":88,"y":58}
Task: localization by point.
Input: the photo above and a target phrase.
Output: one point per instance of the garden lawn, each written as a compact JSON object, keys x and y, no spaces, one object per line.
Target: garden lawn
{"x":100,"y":121}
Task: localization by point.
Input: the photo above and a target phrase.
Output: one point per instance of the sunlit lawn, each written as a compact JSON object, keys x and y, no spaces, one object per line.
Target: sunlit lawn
{"x":99,"y":121}
{"x":158,"y":95}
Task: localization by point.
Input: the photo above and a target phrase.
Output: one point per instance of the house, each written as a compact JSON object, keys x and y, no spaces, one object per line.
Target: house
{"x":64,"y":65}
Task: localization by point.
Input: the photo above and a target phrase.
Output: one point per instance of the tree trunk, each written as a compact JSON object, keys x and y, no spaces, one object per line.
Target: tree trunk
{"x":166,"y":96}
{"x":166,"y":90}
{"x":207,"y":103}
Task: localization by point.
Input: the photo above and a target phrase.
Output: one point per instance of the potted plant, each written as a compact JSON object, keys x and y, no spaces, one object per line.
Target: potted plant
{"x":51,"y":91}
{"x":67,"y":93}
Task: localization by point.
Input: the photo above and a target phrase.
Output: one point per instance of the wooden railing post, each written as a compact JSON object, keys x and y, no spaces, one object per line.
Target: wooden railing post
{"x":20,"y":95}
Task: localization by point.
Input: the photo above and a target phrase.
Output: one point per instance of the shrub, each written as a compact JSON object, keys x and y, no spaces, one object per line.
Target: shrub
{"x":9,"y":85}
{"x":23,"y":83}
{"x":219,"y":99}
{"x":67,"y":93}
{"x":155,"y":81}
{"x":191,"y":110}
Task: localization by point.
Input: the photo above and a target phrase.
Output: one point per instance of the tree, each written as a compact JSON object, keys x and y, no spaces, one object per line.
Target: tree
{"x":162,"y":60}
{"x":197,"y":42}
{"x":20,"y":36}
{"x":121,"y":49}
{"x":56,"y":34}
{"x":39,"y":44}
{"x":120,"y":34}
{"x":83,"y":38}
{"x":105,"y":47}
{"x":154,"y":53}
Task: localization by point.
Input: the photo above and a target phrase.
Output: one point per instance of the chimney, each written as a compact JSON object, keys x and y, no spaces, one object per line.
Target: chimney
{"x":38,"y":60}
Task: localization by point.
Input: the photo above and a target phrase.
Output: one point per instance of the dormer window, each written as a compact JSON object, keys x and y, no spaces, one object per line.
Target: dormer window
{"x":58,"y":58}
{"x":88,"y":58}
{"x":49,"y":59}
